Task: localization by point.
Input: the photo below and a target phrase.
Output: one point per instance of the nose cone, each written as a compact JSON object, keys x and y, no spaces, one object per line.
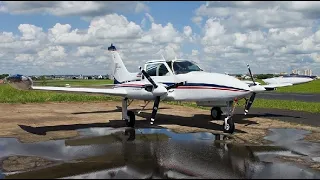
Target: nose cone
{"x":160,"y":90}
{"x":20,"y":82}
{"x":257,"y":88}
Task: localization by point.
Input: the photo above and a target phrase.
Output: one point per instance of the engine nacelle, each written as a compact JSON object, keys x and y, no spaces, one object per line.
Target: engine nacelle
{"x":20,"y":82}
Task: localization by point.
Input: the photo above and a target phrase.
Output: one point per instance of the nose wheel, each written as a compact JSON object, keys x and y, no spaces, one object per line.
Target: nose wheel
{"x":228,"y":125}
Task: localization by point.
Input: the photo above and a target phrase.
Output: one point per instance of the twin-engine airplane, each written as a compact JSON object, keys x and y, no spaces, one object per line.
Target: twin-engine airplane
{"x":174,"y":80}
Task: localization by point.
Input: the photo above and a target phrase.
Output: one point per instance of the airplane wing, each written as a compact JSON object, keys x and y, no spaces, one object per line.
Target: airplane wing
{"x":269,"y":87}
{"x":25,"y":83}
{"x":250,"y":82}
{"x":114,"y":92}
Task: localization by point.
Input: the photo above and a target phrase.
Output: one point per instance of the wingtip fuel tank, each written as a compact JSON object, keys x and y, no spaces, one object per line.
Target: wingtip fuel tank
{"x":19,"y":81}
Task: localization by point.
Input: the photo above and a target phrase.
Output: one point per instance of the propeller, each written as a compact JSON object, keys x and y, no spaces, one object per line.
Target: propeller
{"x":254,"y":83}
{"x":251,"y":99}
{"x":158,"y":91}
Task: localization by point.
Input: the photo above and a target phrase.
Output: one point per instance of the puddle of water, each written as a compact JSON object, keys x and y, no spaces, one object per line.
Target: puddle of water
{"x":145,"y":153}
{"x":175,"y":136}
{"x":293,"y":140}
{"x":316,"y":159}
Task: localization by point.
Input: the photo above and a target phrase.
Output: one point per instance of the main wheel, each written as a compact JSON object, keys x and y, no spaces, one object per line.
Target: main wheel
{"x":132,"y":119}
{"x":229,"y":127}
{"x":216,"y":113}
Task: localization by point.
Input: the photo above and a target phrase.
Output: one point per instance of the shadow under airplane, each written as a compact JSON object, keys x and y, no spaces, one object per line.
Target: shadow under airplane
{"x":197,"y":120}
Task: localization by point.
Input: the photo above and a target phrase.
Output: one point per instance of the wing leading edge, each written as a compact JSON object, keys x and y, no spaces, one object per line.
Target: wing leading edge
{"x":270,"y":87}
{"x":114,"y":92}
{"x":25,"y":83}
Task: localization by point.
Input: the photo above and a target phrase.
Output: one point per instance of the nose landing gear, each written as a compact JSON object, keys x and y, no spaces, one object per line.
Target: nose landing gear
{"x":228,"y":125}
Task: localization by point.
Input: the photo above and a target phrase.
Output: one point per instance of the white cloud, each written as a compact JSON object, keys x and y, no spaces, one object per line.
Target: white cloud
{"x":67,"y":8}
{"x":30,"y":32}
{"x":187,"y":31}
{"x":268,"y":35}
{"x":63,"y":49}
{"x":114,"y":26}
{"x":194,"y":52}
{"x":197,"y":20}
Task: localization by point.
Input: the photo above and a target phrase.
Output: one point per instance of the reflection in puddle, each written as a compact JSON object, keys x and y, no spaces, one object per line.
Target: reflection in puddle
{"x":292,"y":139}
{"x":175,"y":136}
{"x":149,"y":153}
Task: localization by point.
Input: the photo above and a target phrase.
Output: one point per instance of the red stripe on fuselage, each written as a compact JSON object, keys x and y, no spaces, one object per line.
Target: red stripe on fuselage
{"x":186,"y":87}
{"x":205,"y":87}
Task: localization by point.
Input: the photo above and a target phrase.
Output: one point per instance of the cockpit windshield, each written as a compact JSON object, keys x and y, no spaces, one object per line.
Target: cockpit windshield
{"x":183,"y":67}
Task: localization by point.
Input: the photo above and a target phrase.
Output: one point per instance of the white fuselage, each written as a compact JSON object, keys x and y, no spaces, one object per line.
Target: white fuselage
{"x":200,"y":86}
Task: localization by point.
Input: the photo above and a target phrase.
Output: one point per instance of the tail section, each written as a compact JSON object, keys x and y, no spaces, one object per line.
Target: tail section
{"x":119,"y":70}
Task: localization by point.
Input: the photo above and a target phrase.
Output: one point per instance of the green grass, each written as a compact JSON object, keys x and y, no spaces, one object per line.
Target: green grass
{"x":74,"y":82}
{"x":310,"y":87}
{"x":290,"y":105}
{"x":11,"y":95}
{"x":266,"y":103}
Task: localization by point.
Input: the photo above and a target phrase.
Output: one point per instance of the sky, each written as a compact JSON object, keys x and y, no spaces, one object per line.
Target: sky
{"x":69,"y":37}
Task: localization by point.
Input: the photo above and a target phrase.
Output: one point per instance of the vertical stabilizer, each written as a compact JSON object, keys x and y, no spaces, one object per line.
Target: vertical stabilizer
{"x":119,"y":70}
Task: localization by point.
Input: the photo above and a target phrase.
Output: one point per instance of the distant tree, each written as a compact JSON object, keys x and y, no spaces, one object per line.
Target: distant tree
{"x":43,"y":80}
{"x":264,"y":76}
{"x":2,"y":76}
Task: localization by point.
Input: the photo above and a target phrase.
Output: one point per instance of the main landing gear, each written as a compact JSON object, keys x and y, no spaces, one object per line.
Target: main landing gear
{"x":128,"y":116}
{"x":216,"y":113}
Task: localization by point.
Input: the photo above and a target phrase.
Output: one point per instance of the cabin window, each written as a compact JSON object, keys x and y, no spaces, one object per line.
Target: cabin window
{"x":151,"y":69}
{"x":163,"y":71}
{"x":157,"y":69}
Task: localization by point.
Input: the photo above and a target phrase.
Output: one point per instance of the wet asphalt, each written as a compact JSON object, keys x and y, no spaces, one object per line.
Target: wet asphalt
{"x":308,"y":118}
{"x":113,"y":153}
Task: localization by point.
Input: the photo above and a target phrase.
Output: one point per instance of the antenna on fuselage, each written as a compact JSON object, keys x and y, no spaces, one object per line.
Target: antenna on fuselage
{"x":163,"y":57}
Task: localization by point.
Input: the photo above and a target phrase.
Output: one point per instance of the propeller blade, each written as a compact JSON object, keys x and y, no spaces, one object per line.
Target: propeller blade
{"x":155,"y":109}
{"x":149,"y":78}
{"x":249,"y":103}
{"x":251,"y":74}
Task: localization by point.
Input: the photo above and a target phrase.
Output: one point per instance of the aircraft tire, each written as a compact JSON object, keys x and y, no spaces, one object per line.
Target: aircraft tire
{"x":216,"y":113}
{"x":230,"y":126}
{"x":132,"y":119}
